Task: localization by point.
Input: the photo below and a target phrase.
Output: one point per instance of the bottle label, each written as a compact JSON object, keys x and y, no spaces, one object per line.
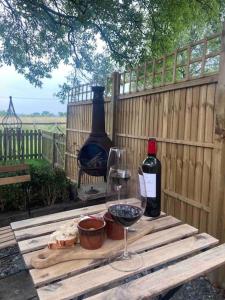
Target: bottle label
{"x":150,"y":184}
{"x":142,"y":185}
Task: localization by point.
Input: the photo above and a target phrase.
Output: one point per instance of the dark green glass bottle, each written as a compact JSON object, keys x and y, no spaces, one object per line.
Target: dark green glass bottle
{"x":152,"y":176}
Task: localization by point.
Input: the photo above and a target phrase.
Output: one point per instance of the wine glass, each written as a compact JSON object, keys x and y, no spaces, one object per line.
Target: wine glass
{"x":117,"y":171}
{"x":126,"y":202}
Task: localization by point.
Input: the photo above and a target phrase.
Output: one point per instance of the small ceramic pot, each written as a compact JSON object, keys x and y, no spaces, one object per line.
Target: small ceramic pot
{"x":91,"y":233}
{"x":114,"y":231}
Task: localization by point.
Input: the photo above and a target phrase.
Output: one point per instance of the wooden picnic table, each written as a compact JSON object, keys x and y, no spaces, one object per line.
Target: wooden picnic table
{"x":173,"y":254}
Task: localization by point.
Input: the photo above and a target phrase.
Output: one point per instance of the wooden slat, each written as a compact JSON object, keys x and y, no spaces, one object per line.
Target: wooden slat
{"x":35,"y":144}
{"x":39,"y":144}
{"x":9,"y":140}
{"x":97,"y":278}
{"x":7,"y":244}
{"x":66,"y":269}
{"x":29,"y":233}
{"x":14,"y":168}
{"x":40,"y":242}
{"x":27,"y":147}
{"x":31,"y":155}
{"x":18,"y":143}
{"x":6,"y":234}
{"x":5,"y":228}
{"x":170,"y":277}
{"x":7,"y":238}
{"x":22,"y":145}
{"x":65,"y":215}
{"x":14,"y":179}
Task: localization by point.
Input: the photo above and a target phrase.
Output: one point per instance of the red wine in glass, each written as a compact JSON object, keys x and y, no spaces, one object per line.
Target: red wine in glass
{"x":125,"y":214}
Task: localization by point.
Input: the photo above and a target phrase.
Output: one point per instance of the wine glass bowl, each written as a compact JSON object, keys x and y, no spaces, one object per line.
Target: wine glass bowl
{"x":117,"y":172}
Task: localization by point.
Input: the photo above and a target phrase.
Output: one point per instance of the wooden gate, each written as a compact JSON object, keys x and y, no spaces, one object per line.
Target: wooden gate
{"x":20,"y":144}
{"x":53,"y":148}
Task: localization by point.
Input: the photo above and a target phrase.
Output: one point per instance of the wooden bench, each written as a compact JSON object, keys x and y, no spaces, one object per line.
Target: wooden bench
{"x":7,"y":237}
{"x":14,"y":178}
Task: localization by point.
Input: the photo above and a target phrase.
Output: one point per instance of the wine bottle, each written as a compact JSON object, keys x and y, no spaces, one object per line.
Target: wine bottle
{"x":141,"y":182}
{"x":152,"y":176}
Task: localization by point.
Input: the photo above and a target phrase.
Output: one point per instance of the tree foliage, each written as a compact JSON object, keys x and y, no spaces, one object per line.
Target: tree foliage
{"x":2,"y":113}
{"x":35,"y":36}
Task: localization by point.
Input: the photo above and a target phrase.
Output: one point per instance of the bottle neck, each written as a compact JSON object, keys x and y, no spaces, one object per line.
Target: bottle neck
{"x":152,"y":154}
{"x":152,"y":147}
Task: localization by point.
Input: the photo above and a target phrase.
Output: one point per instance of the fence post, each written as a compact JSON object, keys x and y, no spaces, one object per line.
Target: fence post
{"x":66,"y":139}
{"x":39,"y":144}
{"x":53,"y":150}
{"x":114,"y":98}
{"x":216,"y":220}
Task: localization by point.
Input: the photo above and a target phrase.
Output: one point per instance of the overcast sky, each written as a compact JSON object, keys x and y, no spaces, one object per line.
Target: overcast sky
{"x":15,"y":85}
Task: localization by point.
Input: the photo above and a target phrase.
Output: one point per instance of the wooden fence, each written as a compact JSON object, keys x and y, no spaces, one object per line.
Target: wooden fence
{"x":180,"y":100}
{"x":32,"y":144}
{"x":53,"y":148}
{"x":20,"y":144}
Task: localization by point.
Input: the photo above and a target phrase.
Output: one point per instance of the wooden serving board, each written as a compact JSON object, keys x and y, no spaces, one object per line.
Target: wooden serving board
{"x":47,"y":257}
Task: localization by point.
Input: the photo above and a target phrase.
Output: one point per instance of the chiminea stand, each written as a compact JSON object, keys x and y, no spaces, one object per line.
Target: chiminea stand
{"x":81,"y":172}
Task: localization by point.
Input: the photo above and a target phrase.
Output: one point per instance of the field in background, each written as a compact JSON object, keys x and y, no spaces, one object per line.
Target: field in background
{"x":35,"y":120}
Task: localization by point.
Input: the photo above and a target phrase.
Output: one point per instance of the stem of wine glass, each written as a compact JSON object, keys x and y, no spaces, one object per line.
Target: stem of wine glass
{"x":118,"y":193}
{"x":125,"y":252}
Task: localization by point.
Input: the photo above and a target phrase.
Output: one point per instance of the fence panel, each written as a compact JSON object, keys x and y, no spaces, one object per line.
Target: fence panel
{"x":182,"y":121}
{"x":20,"y":144}
{"x":53,"y":148}
{"x":47,"y":145}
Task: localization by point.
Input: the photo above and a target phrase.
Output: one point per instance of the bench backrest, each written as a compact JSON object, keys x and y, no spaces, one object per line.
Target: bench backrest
{"x":14,"y":178}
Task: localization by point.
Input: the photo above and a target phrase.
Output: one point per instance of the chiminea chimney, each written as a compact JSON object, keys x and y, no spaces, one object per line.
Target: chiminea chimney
{"x":98,"y":112}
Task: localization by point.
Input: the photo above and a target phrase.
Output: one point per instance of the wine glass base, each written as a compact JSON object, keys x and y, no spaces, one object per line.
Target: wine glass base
{"x":133,"y":261}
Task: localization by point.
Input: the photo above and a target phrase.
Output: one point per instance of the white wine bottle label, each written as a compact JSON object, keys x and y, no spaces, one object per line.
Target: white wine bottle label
{"x":150,"y":184}
{"x":142,"y":185}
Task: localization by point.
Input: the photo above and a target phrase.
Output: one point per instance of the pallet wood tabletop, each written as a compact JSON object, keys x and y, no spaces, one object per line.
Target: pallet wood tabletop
{"x":171,"y":253}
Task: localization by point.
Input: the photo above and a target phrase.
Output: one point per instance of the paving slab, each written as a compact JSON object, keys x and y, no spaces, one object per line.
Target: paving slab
{"x":18,"y":286}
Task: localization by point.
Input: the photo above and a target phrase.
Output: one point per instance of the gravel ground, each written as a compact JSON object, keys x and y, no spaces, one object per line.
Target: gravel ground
{"x":11,"y":261}
{"x":11,"y":264}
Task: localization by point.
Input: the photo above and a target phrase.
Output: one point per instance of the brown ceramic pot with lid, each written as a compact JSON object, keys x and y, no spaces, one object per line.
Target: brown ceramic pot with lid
{"x":91,"y":232}
{"x":114,"y":230}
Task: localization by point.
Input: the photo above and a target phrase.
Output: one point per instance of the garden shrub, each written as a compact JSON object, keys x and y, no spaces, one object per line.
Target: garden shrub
{"x":47,"y":186}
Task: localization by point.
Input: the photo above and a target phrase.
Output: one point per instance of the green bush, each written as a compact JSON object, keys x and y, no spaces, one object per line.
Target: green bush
{"x":47,"y":186}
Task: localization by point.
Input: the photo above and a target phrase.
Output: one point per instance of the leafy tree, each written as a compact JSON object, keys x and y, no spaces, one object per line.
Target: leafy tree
{"x":62,"y":114}
{"x":2,"y":113}
{"x":35,"y":114}
{"x":36,"y":35}
{"x":46,"y":114}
